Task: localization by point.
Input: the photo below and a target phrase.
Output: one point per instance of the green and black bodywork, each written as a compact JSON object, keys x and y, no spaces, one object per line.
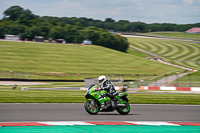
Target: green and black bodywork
{"x":93,"y":104}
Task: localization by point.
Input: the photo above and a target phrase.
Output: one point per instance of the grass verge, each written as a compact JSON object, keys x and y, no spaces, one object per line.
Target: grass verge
{"x":64,"y":96}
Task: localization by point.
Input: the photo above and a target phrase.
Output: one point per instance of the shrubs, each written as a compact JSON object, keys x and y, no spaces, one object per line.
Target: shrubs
{"x":108,"y":40}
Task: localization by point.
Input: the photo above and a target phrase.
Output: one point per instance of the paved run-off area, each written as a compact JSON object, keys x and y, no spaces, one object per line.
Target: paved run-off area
{"x":100,"y":127}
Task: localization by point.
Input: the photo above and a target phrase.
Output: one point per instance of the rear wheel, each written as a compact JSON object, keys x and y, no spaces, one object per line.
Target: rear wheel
{"x":125,"y":109}
{"x":92,"y":109}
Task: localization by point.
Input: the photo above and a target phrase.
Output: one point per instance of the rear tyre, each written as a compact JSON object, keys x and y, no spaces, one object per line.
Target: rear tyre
{"x":91,"y":109}
{"x":124,"y":110}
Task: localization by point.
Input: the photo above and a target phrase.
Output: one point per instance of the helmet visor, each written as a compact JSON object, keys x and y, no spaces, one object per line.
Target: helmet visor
{"x":100,"y":81}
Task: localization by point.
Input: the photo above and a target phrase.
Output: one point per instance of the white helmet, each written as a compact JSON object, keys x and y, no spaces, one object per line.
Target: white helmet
{"x":101,"y":79}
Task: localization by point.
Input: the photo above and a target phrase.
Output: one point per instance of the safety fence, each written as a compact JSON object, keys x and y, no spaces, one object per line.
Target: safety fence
{"x":132,"y":80}
{"x":55,"y":75}
{"x":14,"y":74}
{"x":177,"y":80}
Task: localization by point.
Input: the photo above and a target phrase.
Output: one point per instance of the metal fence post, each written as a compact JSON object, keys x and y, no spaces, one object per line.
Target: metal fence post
{"x":27,"y":75}
{"x":190,"y":80}
{"x":177,"y":76}
{"x":166,"y":80}
{"x":138,"y":80}
{"x":145,"y":77}
{"x":155,"y":81}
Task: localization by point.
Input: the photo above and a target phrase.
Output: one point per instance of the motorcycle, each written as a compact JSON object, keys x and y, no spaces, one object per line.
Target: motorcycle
{"x":93,"y":104}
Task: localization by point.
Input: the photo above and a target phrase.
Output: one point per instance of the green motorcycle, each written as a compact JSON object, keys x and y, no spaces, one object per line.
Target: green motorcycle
{"x":93,"y":104}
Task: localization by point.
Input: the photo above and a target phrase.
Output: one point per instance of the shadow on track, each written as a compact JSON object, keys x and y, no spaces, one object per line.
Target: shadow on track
{"x":117,"y":114}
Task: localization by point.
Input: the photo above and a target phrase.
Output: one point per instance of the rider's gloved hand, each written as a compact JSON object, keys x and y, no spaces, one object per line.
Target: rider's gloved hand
{"x":101,"y":89}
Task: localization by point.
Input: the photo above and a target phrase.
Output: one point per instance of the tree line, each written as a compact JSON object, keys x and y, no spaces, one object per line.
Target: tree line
{"x":19,"y":21}
{"x":122,"y":25}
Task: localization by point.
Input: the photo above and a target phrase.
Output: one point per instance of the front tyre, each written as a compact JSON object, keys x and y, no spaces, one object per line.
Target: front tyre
{"x":90,"y":108}
{"x":124,"y":110}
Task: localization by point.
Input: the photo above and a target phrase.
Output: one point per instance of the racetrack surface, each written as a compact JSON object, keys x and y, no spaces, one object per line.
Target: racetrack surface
{"x":76,"y":112}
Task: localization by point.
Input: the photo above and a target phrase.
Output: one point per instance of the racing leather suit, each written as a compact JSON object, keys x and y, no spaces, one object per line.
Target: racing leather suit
{"x":107,"y":85}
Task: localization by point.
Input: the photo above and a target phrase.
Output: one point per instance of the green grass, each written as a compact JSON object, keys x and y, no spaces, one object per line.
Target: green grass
{"x":41,"y":96}
{"x":175,"y":35}
{"x":63,"y":96}
{"x":171,"y":51}
{"x":165,"y":98}
{"x":49,"y":85}
{"x":62,"y":59}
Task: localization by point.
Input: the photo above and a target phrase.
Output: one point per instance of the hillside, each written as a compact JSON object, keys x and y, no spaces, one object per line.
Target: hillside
{"x":66,"y":58}
{"x":181,"y":53}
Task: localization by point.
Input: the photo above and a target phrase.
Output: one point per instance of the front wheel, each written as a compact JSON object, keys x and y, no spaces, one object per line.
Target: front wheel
{"x":92,"y":109}
{"x":124,"y":110}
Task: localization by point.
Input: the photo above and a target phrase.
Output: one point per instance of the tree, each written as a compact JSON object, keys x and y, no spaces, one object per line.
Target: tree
{"x":31,"y":32}
{"x":123,"y":21}
{"x":109,"y":25}
{"x":109,"y":20}
{"x":13,"y":13}
{"x":155,"y":27}
{"x":26,"y":16}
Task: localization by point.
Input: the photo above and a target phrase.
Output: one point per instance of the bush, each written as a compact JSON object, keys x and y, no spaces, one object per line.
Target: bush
{"x":106,"y":39}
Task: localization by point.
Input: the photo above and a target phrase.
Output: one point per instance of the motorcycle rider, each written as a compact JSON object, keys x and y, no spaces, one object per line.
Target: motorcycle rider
{"x":106,"y":85}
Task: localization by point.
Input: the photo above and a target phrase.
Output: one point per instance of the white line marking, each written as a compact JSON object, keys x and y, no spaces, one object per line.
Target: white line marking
{"x":65,"y":123}
{"x":155,"y":123}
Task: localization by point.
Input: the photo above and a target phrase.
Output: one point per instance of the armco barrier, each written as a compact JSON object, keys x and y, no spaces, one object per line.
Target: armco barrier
{"x":171,"y":88}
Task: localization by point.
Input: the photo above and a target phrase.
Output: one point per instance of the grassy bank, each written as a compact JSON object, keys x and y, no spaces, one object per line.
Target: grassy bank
{"x":177,"y":52}
{"x":57,"y":60}
{"x":63,"y":96}
{"x":175,"y":35}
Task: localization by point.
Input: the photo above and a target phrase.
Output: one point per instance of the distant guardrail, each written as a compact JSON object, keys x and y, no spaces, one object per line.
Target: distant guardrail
{"x":134,"y":80}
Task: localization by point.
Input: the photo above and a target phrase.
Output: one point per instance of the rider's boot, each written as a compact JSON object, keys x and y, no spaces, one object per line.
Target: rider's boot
{"x":114,"y":98}
{"x":105,"y":105}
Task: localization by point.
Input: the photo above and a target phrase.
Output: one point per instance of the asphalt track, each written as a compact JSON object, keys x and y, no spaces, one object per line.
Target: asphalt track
{"x":75,"y":112}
